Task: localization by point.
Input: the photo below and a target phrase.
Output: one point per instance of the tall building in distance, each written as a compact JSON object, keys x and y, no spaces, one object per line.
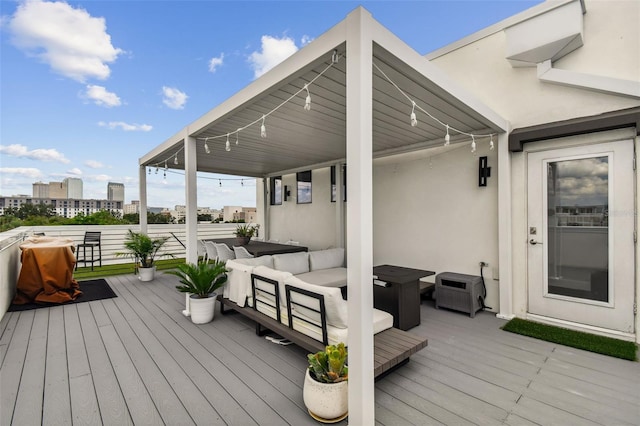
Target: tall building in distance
{"x":74,"y":188}
{"x":115,"y":191}
{"x":58,"y":190}
{"x":40,"y":190}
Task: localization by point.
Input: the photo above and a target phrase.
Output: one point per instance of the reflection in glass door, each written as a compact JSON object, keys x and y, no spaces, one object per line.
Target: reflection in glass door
{"x":578,"y":229}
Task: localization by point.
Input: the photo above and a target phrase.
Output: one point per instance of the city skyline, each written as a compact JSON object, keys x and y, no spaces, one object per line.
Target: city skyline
{"x":95,"y":92}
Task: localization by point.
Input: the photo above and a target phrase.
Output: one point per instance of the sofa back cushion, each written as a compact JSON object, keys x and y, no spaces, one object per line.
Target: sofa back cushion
{"x":296,"y":263}
{"x":335,"y":305}
{"x":325,"y":259}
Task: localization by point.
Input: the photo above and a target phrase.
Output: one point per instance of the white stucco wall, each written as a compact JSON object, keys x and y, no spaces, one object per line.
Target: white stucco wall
{"x":429,"y":213}
{"x":314,"y":224}
{"x":611,"y":48}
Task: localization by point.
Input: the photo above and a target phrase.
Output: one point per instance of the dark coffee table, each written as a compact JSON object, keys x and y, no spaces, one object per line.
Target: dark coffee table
{"x":400,"y":296}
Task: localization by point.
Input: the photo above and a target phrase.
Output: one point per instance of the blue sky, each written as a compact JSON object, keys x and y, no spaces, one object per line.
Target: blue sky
{"x":88,"y":87}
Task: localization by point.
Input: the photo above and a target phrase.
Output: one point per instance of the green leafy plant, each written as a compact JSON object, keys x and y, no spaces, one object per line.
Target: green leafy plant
{"x":246,"y":230}
{"x":143,"y":248}
{"x":200,"y":279}
{"x":329,"y":366}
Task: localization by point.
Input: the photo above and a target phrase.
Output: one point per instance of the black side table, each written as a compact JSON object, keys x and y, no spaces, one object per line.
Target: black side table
{"x":400,"y":295}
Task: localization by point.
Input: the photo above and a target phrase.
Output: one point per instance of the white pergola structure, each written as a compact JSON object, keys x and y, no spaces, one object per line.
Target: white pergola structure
{"x":356,"y":115}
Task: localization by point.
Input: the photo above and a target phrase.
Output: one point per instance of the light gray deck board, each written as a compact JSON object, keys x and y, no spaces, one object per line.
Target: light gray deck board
{"x":113,"y":408}
{"x":57,"y":404}
{"x":29,"y":402}
{"x":126,"y":356}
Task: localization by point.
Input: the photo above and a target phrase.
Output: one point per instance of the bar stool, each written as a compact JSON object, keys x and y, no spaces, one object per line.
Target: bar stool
{"x":91,"y":240}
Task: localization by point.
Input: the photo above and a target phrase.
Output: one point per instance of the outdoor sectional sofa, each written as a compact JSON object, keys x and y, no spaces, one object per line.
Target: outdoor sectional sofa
{"x":298,"y":296}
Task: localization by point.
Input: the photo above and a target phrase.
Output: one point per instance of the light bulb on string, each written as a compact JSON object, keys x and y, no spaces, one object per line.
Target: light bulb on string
{"x":220,"y":182}
{"x":334,"y":57}
{"x":307,"y":102}
{"x":156,"y":169}
{"x":263,"y":129}
{"x":447,"y":138}
{"x":165,"y":167}
{"x":206,"y":146}
{"x":227,"y":146}
{"x":149,"y":170}
{"x":241,"y":182}
{"x":414,"y":120}
{"x":237,"y":136}
{"x":473,"y":143}
{"x":175,"y":159}
{"x":491,"y":143}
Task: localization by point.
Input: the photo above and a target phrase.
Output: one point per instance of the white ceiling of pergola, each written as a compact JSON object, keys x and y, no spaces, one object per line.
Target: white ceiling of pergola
{"x":298,"y":139}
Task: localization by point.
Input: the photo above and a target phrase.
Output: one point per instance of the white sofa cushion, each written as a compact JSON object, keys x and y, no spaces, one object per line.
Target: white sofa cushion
{"x":238,"y":286}
{"x":296,"y":263}
{"x":279,"y":277}
{"x":335,"y":305}
{"x":381,"y":321}
{"x":333,"y":277}
{"x":326,"y":259}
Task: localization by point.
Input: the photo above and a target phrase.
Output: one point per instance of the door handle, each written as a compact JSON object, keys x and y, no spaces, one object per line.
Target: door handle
{"x":534,"y":242}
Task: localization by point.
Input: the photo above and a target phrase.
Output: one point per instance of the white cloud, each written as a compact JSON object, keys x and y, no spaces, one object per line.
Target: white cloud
{"x":100,"y":178}
{"x":274,"y":50}
{"x":93,"y":164}
{"x":75,"y":171}
{"x":100,"y":96}
{"x":22,"y":151}
{"x":214,"y":63}
{"x":306,"y":40}
{"x":22,"y":171}
{"x":69,"y":40}
{"x":126,"y":126}
{"x":173,"y":98}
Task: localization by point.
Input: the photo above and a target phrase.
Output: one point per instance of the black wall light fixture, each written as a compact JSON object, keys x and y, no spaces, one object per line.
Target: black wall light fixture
{"x":484,"y":171}
{"x":287,"y":192}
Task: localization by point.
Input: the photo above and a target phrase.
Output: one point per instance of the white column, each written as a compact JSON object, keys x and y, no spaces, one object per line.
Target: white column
{"x":339,"y":206}
{"x":191,"y":198}
{"x":505,"y":237}
{"x":360,"y":217}
{"x":142,"y":186}
{"x":264,"y":231}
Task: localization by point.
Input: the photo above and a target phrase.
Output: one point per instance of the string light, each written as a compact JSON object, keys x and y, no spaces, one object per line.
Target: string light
{"x":175,"y":159}
{"x":307,"y":102}
{"x":165,"y":166}
{"x":206,"y":146}
{"x":263,"y":129}
{"x":227,"y":146}
{"x":220,"y":182}
{"x":414,"y":120}
{"x":335,"y":57}
{"x":491,"y":143}
{"x":238,"y":136}
{"x":156,"y":169}
{"x":149,"y":170}
{"x":447,"y":138}
{"x":473,"y":143}
{"x":242,"y":182}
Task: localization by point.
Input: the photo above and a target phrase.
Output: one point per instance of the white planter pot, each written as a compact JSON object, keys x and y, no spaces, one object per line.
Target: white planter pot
{"x":326,"y":402}
{"x":202,"y":310}
{"x":146,"y":274}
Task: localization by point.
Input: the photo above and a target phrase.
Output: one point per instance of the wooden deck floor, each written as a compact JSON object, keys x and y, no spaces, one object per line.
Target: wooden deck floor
{"x":136,"y":359}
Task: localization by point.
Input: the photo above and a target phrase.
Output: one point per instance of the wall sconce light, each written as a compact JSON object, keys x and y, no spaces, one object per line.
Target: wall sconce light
{"x":484,"y":171}
{"x":287,"y":192}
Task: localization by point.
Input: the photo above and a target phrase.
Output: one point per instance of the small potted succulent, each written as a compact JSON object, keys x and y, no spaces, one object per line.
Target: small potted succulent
{"x":201,"y":280}
{"x":325,"y":390}
{"x":143,"y":249}
{"x":244,"y":232}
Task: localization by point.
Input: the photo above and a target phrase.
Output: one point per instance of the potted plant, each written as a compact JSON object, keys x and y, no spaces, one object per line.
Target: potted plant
{"x":245,"y":231}
{"x":325,"y":390}
{"x":201,"y":280}
{"x":143,"y":249}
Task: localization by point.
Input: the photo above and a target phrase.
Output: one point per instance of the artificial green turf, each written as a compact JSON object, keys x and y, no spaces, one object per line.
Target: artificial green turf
{"x":575,"y":339}
{"x":120,"y":269}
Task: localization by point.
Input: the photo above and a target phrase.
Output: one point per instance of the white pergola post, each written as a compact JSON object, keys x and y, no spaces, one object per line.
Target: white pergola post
{"x":360,"y":217}
{"x":339,"y":206}
{"x":191,"y":199}
{"x":142,"y":187}
{"x":505,"y":242}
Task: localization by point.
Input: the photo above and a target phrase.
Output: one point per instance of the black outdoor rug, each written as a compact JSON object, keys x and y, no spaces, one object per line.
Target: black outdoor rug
{"x":91,"y":290}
